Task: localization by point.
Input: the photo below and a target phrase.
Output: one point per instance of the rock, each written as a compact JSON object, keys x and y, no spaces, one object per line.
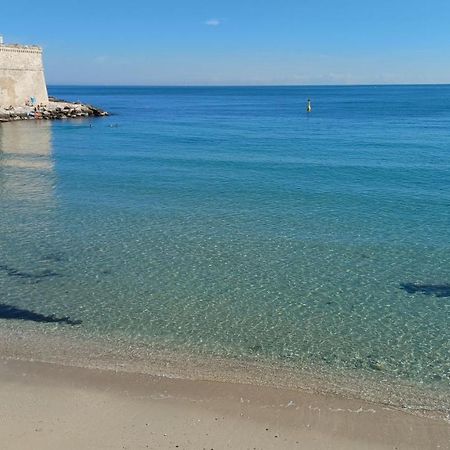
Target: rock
{"x":376,"y":364}
{"x":55,"y":110}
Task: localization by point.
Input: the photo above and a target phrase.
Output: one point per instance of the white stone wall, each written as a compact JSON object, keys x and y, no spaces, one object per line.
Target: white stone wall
{"x":21,"y":75}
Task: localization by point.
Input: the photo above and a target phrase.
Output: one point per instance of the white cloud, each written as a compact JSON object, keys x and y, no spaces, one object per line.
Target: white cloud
{"x":213,"y":22}
{"x":101,"y":59}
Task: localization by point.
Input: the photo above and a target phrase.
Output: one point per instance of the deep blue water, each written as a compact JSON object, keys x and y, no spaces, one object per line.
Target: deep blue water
{"x":227,"y":221}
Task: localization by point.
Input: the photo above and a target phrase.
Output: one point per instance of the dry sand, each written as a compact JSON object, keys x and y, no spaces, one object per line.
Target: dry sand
{"x":48,"y":406}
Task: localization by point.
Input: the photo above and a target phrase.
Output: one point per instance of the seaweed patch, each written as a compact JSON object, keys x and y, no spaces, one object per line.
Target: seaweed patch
{"x":438,"y":290}
{"x":34,"y":277}
{"x":10,"y":312}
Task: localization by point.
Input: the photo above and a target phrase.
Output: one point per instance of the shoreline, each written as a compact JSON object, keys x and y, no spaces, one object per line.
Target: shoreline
{"x":56,"y":406}
{"x":55,"y":109}
{"x":69,"y":349}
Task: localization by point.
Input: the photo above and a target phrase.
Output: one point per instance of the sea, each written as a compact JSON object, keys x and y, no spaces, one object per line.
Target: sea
{"x":228,"y":224}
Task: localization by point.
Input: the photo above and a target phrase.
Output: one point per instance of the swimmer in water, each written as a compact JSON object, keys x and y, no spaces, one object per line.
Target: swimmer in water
{"x":308,"y":106}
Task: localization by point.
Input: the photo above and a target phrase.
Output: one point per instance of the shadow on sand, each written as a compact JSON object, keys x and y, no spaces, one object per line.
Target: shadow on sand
{"x":438,"y":290}
{"x":10,"y":312}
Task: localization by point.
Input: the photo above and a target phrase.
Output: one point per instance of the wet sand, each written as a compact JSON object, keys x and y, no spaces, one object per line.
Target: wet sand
{"x":49,"y":406}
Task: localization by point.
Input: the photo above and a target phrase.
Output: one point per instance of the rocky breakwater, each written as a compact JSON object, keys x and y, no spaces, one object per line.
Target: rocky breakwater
{"x":55,"y":109}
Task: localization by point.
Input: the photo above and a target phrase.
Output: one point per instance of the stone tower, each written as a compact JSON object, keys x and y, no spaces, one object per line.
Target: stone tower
{"x":22,"y":79}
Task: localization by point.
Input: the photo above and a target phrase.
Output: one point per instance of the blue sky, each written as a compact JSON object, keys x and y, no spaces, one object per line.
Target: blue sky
{"x":178,"y":42}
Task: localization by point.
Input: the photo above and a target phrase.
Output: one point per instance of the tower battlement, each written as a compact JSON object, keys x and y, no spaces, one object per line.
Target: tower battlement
{"x":22,"y":79}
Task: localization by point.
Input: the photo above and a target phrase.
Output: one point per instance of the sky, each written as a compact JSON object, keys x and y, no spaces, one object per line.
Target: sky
{"x":235,"y":42}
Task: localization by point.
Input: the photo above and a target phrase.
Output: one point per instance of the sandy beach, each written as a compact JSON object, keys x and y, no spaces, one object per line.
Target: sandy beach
{"x":48,"y":406}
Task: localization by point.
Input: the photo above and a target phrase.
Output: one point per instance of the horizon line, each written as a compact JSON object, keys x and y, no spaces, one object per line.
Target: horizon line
{"x":242,"y":85}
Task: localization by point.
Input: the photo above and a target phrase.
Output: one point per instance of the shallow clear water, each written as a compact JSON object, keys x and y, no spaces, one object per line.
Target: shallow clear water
{"x":229,"y":222}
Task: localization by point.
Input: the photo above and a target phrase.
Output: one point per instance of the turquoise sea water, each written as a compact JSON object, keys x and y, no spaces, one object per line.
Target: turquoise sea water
{"x":228,"y":222}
